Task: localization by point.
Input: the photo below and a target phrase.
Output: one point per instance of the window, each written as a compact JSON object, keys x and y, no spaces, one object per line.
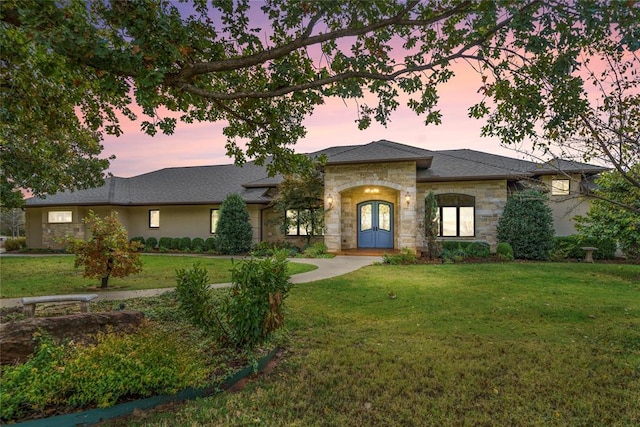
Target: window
{"x":302,"y":222}
{"x":559,"y":187}
{"x":154,"y":218}
{"x":60,"y":217}
{"x":456,"y":215}
{"x":215,"y":213}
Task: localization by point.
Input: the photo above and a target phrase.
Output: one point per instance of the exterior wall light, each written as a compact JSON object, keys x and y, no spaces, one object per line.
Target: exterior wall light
{"x":330,"y":201}
{"x":407,"y":198}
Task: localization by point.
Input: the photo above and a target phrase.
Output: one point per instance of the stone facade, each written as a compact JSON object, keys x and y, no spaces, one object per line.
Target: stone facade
{"x":490,"y":198}
{"x":349,"y":185}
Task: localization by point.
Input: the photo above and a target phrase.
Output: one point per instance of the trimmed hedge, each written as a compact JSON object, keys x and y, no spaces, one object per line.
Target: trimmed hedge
{"x":165,"y":242}
{"x":568,"y":247}
{"x":151,"y":243}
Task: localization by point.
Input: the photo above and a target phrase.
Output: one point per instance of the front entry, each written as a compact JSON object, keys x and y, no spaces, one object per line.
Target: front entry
{"x":375,"y":224}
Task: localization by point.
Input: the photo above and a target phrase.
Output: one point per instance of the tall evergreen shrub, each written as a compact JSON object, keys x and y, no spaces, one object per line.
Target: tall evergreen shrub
{"x":527,"y":225}
{"x":234,"y":229}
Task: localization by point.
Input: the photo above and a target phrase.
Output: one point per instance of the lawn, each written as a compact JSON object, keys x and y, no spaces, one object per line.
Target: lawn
{"x":50,"y":275}
{"x":472,"y":344}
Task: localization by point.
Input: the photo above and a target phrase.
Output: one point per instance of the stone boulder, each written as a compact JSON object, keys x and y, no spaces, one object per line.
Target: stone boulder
{"x":17,"y":342}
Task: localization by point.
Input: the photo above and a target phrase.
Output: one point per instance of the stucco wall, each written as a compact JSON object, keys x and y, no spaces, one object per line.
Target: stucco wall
{"x":490,"y":197}
{"x":564,"y":208}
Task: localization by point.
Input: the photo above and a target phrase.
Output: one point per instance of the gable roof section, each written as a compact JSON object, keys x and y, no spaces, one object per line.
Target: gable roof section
{"x":382,"y":151}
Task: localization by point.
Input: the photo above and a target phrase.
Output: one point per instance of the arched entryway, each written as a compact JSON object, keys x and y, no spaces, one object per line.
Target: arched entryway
{"x":375,"y":224}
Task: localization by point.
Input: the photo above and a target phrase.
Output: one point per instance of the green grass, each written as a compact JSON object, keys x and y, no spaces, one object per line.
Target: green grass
{"x":472,"y":344}
{"x":50,"y":275}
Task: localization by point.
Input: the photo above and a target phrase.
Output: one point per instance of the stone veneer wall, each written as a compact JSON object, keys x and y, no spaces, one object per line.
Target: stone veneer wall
{"x":346,"y":184}
{"x":491,"y":197}
{"x":51,"y":233}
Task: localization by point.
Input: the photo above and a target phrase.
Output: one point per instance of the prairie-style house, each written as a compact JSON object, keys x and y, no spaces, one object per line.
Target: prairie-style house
{"x":373,"y":195}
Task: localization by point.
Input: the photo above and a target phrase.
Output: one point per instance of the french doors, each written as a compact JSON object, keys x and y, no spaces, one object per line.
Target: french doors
{"x":375,"y":224}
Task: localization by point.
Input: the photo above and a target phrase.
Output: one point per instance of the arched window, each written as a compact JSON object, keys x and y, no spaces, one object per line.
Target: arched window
{"x":456,"y":215}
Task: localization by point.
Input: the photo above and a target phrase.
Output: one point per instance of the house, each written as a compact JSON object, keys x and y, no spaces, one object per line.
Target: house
{"x":373,"y":195}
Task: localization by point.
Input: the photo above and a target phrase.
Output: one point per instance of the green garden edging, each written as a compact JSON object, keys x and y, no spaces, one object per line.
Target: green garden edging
{"x":94,"y":416}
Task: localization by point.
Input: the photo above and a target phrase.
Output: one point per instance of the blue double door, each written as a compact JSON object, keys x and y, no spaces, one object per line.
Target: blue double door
{"x":375,"y":224}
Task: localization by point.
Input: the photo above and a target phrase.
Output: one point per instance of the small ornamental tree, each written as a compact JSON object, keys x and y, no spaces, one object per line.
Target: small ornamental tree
{"x":527,"y":225}
{"x":108,"y":253}
{"x":234,"y":229}
{"x":431,"y":226}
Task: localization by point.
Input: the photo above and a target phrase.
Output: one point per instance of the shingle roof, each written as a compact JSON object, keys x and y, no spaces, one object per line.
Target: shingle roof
{"x":212,"y":184}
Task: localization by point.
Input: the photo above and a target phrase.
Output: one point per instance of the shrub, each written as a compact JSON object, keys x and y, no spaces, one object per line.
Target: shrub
{"x":165,"y":242}
{"x":455,"y":254}
{"x":263,"y":249}
{"x":210,"y":244}
{"x":195,"y":298}
{"x":504,"y":251}
{"x":569,"y":247}
{"x":316,"y":250}
{"x":255,"y":308}
{"x":453,"y":245}
{"x":175,"y":244}
{"x":140,"y":241}
{"x":234,"y":229}
{"x":478,"y":250}
{"x":142,"y":364}
{"x":405,"y":257}
{"x":15,"y":244}
{"x":151,"y":243}
{"x":185,"y":244}
{"x":527,"y":225}
{"x":197,"y":244}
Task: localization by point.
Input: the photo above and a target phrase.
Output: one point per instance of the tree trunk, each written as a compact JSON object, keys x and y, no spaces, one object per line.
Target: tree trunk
{"x":105,"y":278}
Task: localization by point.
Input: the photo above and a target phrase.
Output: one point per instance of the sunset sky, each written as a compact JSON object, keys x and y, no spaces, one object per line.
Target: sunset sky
{"x":332,"y":124}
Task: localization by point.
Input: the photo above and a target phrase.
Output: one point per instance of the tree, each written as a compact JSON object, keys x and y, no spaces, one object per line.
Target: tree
{"x":94,"y":60}
{"x":527,"y":225}
{"x":108,"y":253}
{"x":302,"y":194}
{"x":431,"y":226}
{"x":12,"y":222}
{"x":607,"y":220}
{"x":233,"y":232}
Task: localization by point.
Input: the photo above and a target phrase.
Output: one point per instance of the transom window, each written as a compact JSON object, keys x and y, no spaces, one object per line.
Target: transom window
{"x":154,"y":218}
{"x":456,"y":215}
{"x":302,"y":222}
{"x":215,"y":214}
{"x":559,"y":187}
{"x":59,"y":217}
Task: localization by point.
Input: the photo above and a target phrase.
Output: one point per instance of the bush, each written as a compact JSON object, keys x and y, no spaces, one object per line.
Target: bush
{"x":185,"y":244}
{"x":165,"y":242}
{"x":405,"y":257}
{"x":142,"y":364}
{"x":197,"y":244}
{"x":195,"y":298}
{"x":504,"y":251}
{"x":527,"y":225}
{"x":175,"y":244}
{"x":264,"y":249}
{"x":234,"y":229}
{"x":140,"y":240}
{"x":452,"y":245}
{"x":15,"y":244}
{"x":569,"y":247}
{"x":210,"y":244}
{"x":255,"y":308}
{"x":151,"y":243}
{"x":316,"y":250}
{"x":478,"y":250}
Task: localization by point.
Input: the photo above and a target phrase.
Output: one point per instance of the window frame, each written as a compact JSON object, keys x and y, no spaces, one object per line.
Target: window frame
{"x":461,"y":201}
{"x":560,"y":190}
{"x":151,"y":211}
{"x":63,"y":221}
{"x":213,"y":224}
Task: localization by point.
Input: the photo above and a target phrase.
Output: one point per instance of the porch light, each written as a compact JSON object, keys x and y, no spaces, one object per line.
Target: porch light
{"x":330,"y":201}
{"x":407,"y":198}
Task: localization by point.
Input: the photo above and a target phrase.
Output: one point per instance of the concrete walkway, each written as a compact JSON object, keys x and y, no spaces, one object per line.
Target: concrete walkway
{"x":327,"y":268}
